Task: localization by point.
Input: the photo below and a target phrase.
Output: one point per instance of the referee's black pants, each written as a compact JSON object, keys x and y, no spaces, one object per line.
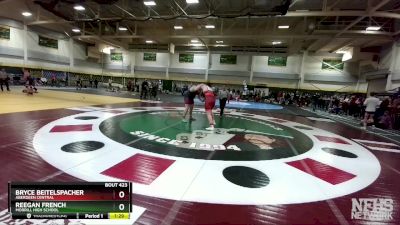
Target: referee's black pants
{"x":222,"y":103}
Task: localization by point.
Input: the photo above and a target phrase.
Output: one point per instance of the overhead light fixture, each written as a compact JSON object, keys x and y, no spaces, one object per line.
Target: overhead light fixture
{"x":196,"y":44}
{"x":374,"y":28}
{"x":194,"y":41}
{"x":76,"y":30}
{"x":347,"y":53}
{"x":27,"y":14}
{"x":192,"y":1}
{"x":210,"y":26}
{"x":178,"y":27}
{"x":107,"y":50}
{"x":221,"y":45}
{"x":149,"y":41}
{"x":79,"y":8}
{"x":276,"y":42}
{"x":283,"y":27}
{"x":149,"y":3}
{"x":122,"y":28}
{"x":219,"y":42}
{"x":347,"y":56}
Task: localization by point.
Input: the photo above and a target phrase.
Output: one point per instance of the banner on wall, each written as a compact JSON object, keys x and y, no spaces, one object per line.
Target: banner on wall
{"x":4,"y":33}
{"x":116,"y":56}
{"x":228,"y":59}
{"x":150,"y":56}
{"x":277,"y":61}
{"x":48,"y":42}
{"x":332,"y":64}
{"x":167,"y":85}
{"x":186,"y":58}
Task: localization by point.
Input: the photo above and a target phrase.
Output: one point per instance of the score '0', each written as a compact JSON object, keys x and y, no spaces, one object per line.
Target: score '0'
{"x":121,"y":194}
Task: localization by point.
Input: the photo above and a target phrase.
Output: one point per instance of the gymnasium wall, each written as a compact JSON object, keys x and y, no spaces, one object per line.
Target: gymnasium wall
{"x":302,"y":71}
{"x":394,"y":67}
{"x":292,"y":66}
{"x":317,"y":78}
{"x":11,"y":51}
{"x":199,"y":62}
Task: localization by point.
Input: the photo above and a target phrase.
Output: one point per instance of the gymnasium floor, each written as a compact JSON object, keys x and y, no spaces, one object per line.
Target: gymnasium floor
{"x":260,"y":166}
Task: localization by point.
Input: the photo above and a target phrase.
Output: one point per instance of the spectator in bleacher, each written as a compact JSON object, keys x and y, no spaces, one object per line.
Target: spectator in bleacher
{"x":90,"y":82}
{"x":371,"y":103}
{"x":315,"y":99}
{"x":335,"y":105}
{"x":352,"y":106}
{"x":44,"y":81}
{"x":78,"y":83}
{"x":345,"y":105}
{"x":385,"y":121}
{"x":262,"y":96}
{"x":360,"y":110}
{"x":129,"y":86}
{"x":396,"y":101}
{"x":4,"y":79}
{"x":110,"y":84}
{"x":383,"y":107}
{"x":96,"y":82}
{"x":385,"y":104}
{"x":53,"y":80}
{"x":396,"y":111}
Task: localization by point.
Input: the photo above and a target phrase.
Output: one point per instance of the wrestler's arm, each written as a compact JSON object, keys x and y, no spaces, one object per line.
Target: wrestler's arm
{"x":196,"y":88}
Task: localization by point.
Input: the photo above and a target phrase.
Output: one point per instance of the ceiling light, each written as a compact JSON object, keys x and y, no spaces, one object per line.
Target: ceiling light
{"x":149,"y":41}
{"x":374,"y":28}
{"x":76,"y":30}
{"x":27,"y":14}
{"x":283,"y":27}
{"x":178,"y":27}
{"x":347,"y":53}
{"x":221,"y":45}
{"x":219,"y":42}
{"x":210,"y":26}
{"x":196,"y":44}
{"x":194,"y":41}
{"x":79,"y":8}
{"x":347,"y":56}
{"x":122,"y":28}
{"x":276,"y":42}
{"x":149,"y":3}
{"x":192,"y":1}
{"x":107,"y":50}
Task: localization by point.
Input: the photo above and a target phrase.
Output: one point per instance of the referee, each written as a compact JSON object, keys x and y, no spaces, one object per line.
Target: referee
{"x":223,"y":97}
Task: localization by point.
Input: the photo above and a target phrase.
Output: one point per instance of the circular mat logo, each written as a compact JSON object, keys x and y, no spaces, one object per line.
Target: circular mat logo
{"x":248,"y":159}
{"x":235,"y":138}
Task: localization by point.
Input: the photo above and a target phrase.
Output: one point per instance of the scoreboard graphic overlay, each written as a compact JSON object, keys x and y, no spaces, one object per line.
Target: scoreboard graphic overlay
{"x":94,"y":200}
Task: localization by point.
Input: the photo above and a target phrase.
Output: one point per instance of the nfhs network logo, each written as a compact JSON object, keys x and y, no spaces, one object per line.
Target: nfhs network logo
{"x":374,"y":209}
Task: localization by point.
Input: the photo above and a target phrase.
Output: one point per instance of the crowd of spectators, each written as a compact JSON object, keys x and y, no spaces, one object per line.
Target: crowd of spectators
{"x":382,"y":111}
{"x":385,"y":111}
